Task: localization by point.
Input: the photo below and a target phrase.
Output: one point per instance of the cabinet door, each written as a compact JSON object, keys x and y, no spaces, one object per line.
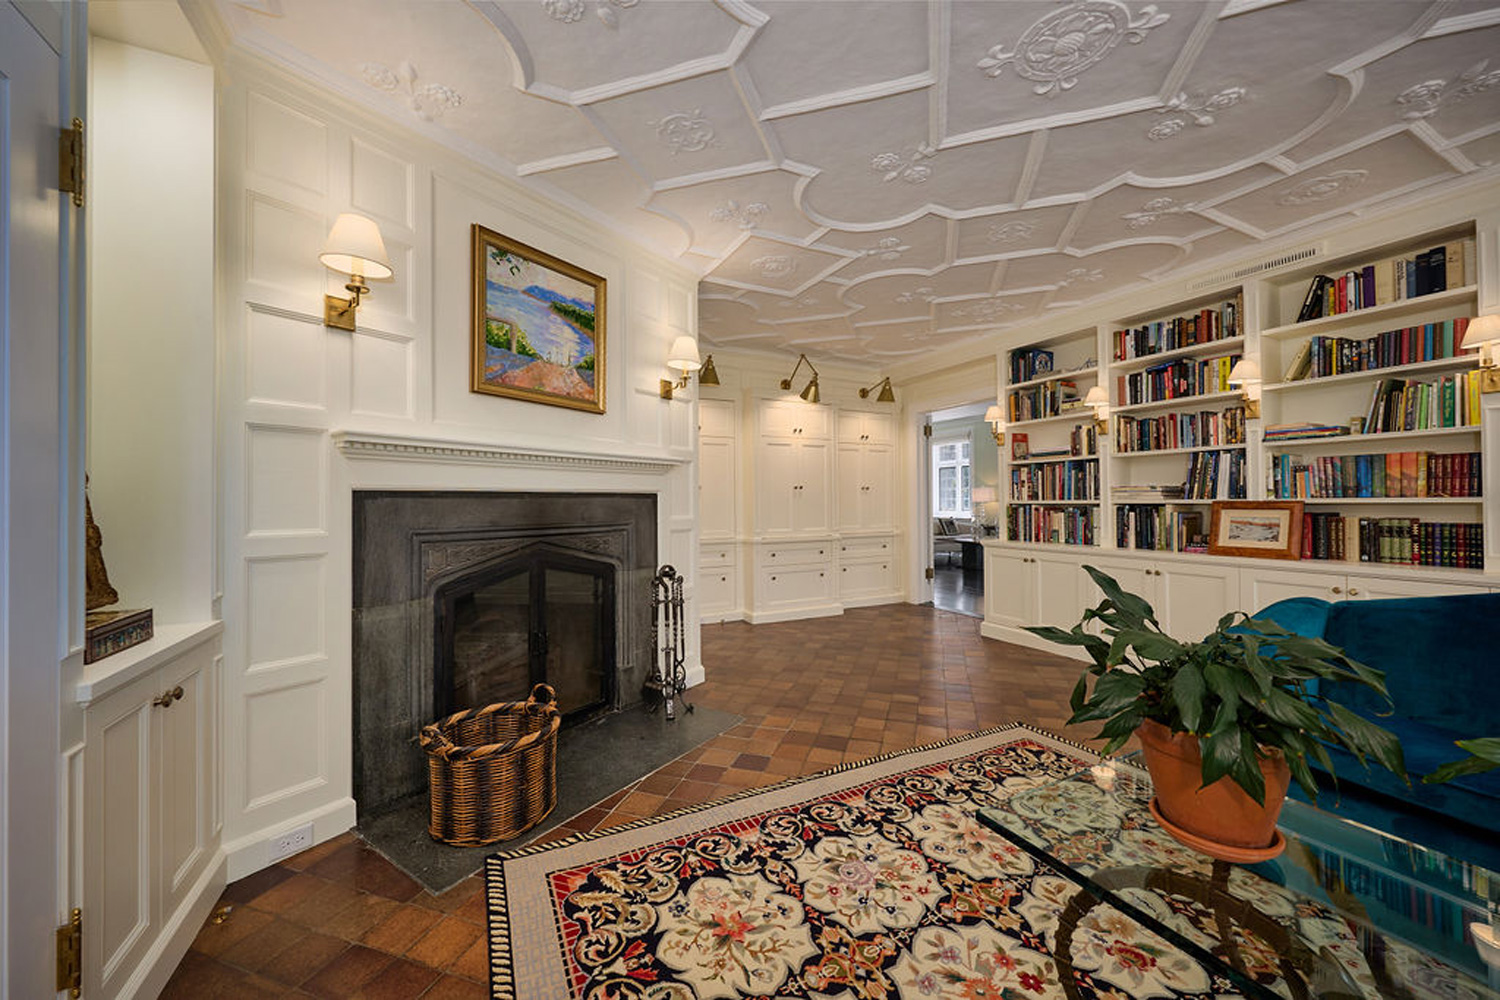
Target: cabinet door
{"x":715,"y":591}
{"x":880,"y":428}
{"x":1010,"y":583}
{"x":775,"y":477}
{"x":848,"y":481}
{"x":851,"y":425}
{"x":1260,"y":588}
{"x":186,"y":781}
{"x":783,"y":587}
{"x":875,"y":507}
{"x":1059,"y":598}
{"x":864,"y":579}
{"x":716,"y":417}
{"x":810,"y":507}
{"x":120,"y":865}
{"x":778,"y":419}
{"x":716,"y":486}
{"x":811,"y":420}
{"x":1190,"y":600}
{"x":1373,"y":588}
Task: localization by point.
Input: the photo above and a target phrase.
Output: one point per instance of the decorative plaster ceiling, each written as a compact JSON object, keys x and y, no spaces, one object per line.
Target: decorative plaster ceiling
{"x":865,"y":180}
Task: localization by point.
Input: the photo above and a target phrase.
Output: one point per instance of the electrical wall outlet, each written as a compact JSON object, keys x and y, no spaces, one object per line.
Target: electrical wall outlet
{"x":293,"y":841}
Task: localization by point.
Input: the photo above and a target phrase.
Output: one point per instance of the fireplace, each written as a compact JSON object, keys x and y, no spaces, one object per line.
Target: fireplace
{"x":462,"y":599}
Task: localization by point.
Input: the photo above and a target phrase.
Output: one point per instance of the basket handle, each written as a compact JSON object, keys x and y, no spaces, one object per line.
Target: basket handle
{"x":433,"y":740}
{"x":548,"y":696}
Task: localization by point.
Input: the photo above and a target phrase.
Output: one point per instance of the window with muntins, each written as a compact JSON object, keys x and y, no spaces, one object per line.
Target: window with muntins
{"x":951,"y":475}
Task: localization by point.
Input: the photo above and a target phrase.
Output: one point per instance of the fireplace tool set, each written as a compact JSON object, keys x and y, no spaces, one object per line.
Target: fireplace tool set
{"x":668,"y":675}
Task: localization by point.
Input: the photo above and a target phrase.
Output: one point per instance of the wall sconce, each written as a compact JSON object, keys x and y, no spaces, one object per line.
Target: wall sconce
{"x":996,"y":419}
{"x":354,"y":248}
{"x":887,"y":395}
{"x":1245,"y":376}
{"x":811,"y":392}
{"x":683,"y":358}
{"x":1483,"y":334}
{"x":1098,"y":401}
{"x":708,"y":374}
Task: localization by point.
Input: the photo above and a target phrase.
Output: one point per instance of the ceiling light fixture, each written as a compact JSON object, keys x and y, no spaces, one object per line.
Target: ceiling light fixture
{"x":811,"y":392}
{"x":887,"y":394}
{"x":354,"y":247}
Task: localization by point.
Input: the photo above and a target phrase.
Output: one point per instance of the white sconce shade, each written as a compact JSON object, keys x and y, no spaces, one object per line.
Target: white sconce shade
{"x":354,"y":247}
{"x":994,"y":415}
{"x":683,"y":356}
{"x":1096,"y":397}
{"x":1245,"y":372}
{"x":1480,"y":331}
{"x":983,"y":494}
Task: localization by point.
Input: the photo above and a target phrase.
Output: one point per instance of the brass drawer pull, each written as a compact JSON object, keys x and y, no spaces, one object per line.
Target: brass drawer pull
{"x":165,"y":700}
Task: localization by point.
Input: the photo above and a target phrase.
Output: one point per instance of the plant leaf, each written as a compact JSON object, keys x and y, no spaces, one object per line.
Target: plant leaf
{"x":1367,"y":739}
{"x":1188,"y":689}
{"x":1484,"y":755}
{"x":1129,"y":604}
{"x":1080,"y":693}
{"x":1220,"y":752}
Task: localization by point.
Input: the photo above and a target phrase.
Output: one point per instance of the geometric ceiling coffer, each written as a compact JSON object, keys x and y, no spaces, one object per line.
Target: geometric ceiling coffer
{"x":430,"y":101}
{"x":1010,"y":232}
{"x":1429,"y":97}
{"x":684,"y":132}
{"x":906,"y":166}
{"x":1325,"y":187}
{"x":1200,"y":109}
{"x":1154,"y":210}
{"x":1064,"y":43}
{"x":746,"y":216}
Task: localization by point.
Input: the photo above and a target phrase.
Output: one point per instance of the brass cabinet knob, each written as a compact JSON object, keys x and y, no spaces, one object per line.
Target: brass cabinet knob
{"x":1338,"y":590}
{"x":1353,"y":591}
{"x":165,"y":699}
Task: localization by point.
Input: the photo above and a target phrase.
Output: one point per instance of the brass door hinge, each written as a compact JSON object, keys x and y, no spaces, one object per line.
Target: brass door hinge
{"x":70,"y":955}
{"x":927,"y":430}
{"x":931,"y":572}
{"x":70,"y":161}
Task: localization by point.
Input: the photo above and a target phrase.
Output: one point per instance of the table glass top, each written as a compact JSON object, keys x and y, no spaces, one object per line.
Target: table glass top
{"x":1356,"y":912}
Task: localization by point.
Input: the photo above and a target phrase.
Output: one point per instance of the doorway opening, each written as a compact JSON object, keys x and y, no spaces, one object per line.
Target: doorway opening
{"x":963,"y":490}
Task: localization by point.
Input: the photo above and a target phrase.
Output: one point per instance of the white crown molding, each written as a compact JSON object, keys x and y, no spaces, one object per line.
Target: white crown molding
{"x":361,"y":445}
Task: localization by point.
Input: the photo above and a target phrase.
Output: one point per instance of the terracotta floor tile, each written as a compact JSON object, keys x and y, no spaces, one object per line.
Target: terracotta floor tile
{"x":399,"y":931}
{"x":284,"y":895}
{"x":311,"y":856}
{"x":403,"y":979}
{"x":321,"y":905}
{"x":344,"y":976}
{"x":360,"y":916}
{"x":254,"y":951}
{"x":454,"y":988}
{"x":442,"y":945}
{"x":705,"y":772}
{"x":474,"y":963}
{"x":303,"y":958}
{"x":242,"y":921}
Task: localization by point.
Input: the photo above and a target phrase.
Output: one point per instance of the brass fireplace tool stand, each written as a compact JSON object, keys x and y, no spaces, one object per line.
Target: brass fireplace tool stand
{"x":668,"y":641}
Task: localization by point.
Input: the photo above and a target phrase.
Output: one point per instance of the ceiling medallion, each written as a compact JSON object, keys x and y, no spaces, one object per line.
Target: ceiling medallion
{"x":1081,"y":276}
{"x":1201,"y":109}
{"x":1064,"y":43}
{"x":1429,"y":97}
{"x":1325,"y":187}
{"x":888,"y":248}
{"x":906,"y":167}
{"x":571,"y":11}
{"x":684,"y":132}
{"x":923,"y":294}
{"x":1010,"y":232}
{"x":1154,"y":210}
{"x":746,"y":216}
{"x":774,"y":265}
{"x":430,"y":101}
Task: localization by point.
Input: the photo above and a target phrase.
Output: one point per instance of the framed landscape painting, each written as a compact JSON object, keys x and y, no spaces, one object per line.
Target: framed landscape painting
{"x":538,"y":326}
{"x":1269,"y":529}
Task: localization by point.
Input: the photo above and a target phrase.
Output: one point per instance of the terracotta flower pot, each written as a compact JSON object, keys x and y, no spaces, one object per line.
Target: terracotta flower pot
{"x":1221,"y":820}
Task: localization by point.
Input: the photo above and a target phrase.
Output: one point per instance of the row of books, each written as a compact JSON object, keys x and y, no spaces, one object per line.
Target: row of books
{"x":1029,"y":363}
{"x":1159,"y":529}
{"x":1391,"y":280}
{"x":1392,"y":474}
{"x":1146,"y":493}
{"x":1175,"y":380}
{"x":1216,"y":475}
{"x":1066,"y":480}
{"x":1324,"y":536}
{"x":1180,"y":430}
{"x":1320,"y":357}
{"x":1203,"y":327}
{"x":1050,"y":399}
{"x":1304,"y":431}
{"x":1400,"y":895}
{"x":1410,"y":405}
{"x":1064,"y":525}
{"x":1083,"y":439}
{"x":1413,"y":542}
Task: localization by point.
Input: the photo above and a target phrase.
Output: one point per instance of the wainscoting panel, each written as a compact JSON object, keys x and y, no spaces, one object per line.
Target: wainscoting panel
{"x":287,"y":480}
{"x":284,"y":360}
{"x":380,"y":375}
{"x":285,"y":610}
{"x":282,"y":249}
{"x":287,"y":145}
{"x":285,"y":750}
{"x":382,"y":186}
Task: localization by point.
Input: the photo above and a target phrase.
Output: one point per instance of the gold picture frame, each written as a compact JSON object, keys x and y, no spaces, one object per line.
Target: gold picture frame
{"x":537,"y":326}
{"x":1264,"y":529}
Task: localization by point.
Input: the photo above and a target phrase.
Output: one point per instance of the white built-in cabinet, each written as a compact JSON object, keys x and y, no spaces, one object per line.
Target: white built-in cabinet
{"x":793,"y":469}
{"x":864,"y":471}
{"x":718,"y":510}
{"x":151,"y":829}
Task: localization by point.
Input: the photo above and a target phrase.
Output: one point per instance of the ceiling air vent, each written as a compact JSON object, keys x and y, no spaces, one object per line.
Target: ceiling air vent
{"x":1259,"y":267}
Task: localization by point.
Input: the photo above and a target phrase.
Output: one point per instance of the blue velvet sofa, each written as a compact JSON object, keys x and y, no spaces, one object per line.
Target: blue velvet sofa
{"x":1441,"y":659}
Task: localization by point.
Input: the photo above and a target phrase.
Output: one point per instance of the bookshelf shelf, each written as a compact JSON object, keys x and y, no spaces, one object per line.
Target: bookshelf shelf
{"x":1091,"y":372}
{"x":1437,"y":501}
{"x":1079,"y":416}
{"x":1053,"y":503}
{"x":1176,"y":402}
{"x":1391,"y":310}
{"x":1156,"y":452}
{"x":1046,"y":460}
{"x":1193,"y":351}
{"x":1459,"y":363}
{"x":1345,"y":440}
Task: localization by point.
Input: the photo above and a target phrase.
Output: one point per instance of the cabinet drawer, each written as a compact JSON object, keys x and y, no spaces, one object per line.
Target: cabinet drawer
{"x":715,"y":592}
{"x":795,"y":585}
{"x":715,"y":556}
{"x":865,"y":579}
{"x":867,"y":548}
{"x":795,"y":554}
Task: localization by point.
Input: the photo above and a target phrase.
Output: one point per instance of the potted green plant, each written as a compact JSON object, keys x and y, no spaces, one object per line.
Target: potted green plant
{"x":1225,"y":722}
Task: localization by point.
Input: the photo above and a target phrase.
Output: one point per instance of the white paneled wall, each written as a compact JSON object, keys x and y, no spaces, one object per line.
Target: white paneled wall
{"x":289,"y":161}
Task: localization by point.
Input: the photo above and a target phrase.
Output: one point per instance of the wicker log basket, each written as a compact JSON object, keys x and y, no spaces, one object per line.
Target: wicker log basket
{"x":493,"y":770}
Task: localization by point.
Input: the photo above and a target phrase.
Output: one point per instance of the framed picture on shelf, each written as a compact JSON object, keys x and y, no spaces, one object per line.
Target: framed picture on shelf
{"x":1020,"y":448}
{"x":538,"y":326}
{"x":1265,"y":529}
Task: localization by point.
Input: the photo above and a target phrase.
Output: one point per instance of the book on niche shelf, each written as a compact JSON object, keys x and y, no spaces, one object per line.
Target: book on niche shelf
{"x":1068,"y":479}
{"x":1393,"y":279}
{"x":1414,"y":405}
{"x":1304,"y":431}
{"x":1398,"y":541}
{"x":1050,"y":399}
{"x":1207,"y":325}
{"x":1147,"y":493}
{"x":1160,"y":529}
{"x":1180,"y":379}
{"x":1058,"y":525}
{"x":1394,"y":474}
{"x":1180,"y":430}
{"x":1409,"y":345}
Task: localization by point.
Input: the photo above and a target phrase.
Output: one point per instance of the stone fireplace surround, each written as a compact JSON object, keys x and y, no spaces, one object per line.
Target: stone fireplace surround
{"x":409,"y":543}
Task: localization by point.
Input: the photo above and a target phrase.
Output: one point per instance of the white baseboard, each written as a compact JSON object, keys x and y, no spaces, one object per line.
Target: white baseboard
{"x":177,"y":934}
{"x":1021,"y":637}
{"x":718,"y":617}
{"x":250,"y":853}
{"x":894,"y":597}
{"x":794,"y":614}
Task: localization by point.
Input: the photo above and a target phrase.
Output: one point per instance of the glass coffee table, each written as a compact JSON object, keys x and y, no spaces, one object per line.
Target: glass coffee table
{"x":1345,"y":912}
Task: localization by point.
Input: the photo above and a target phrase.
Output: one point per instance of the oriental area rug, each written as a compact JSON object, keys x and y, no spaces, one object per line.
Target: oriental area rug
{"x":872,"y":880}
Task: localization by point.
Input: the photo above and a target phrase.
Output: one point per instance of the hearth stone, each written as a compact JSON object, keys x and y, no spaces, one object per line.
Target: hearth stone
{"x":408,"y":544}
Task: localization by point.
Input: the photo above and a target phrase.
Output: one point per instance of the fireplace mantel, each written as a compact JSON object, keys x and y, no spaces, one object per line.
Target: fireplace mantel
{"x":397,"y":447}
